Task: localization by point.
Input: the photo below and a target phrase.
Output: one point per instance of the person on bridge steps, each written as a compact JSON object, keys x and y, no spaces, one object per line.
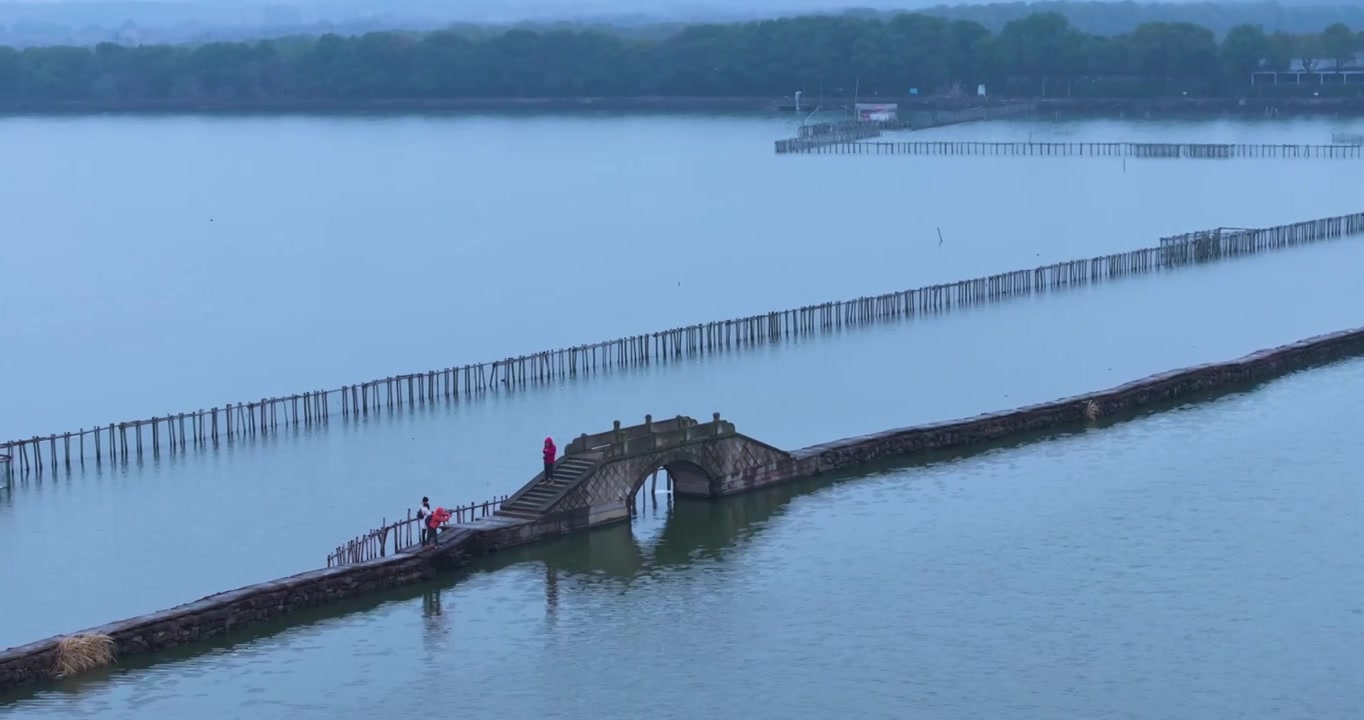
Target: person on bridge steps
{"x":550,"y":452}
{"x":423,"y":511}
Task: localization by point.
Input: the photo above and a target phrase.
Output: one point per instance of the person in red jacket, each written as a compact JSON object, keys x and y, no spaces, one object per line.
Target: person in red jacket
{"x":434,"y":521}
{"x":549,"y":453}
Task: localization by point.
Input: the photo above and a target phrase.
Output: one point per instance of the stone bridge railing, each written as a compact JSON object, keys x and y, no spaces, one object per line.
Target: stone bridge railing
{"x":649,"y":436}
{"x":679,"y":431}
{"x":601,"y":441}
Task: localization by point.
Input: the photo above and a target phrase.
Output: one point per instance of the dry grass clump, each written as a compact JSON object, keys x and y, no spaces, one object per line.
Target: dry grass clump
{"x":79,"y":653}
{"x":1092,"y":410}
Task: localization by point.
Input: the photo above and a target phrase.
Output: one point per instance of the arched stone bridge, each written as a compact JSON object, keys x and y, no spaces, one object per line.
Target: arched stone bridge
{"x":596,"y":479}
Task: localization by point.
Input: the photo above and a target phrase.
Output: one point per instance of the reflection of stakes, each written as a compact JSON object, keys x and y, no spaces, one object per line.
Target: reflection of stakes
{"x":551,"y":590}
{"x":667,"y":478}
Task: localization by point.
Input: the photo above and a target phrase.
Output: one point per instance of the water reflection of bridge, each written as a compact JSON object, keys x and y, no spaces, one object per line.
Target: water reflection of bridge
{"x":693,"y":530}
{"x":615,"y":556}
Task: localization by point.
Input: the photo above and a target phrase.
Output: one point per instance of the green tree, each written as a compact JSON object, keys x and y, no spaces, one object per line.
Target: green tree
{"x":1174,"y":50}
{"x":1308,"y":51}
{"x":11,"y":71}
{"x":1339,"y":43}
{"x":1244,"y":48}
{"x":880,"y":54}
{"x":1283,"y":48}
{"x":1041,"y":46}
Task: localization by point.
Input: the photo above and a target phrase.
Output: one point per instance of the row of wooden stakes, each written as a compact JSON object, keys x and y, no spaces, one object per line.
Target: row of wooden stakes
{"x":838,"y":145}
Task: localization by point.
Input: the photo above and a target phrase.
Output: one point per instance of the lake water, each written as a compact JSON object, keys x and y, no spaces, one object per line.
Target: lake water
{"x":178,"y":263}
{"x":164,"y":265}
{"x":1198,"y":563}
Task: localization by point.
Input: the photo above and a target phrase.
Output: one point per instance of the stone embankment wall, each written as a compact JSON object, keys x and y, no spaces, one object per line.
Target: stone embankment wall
{"x":220,"y":614}
{"x":1058,"y":415}
{"x":1074,"y":411}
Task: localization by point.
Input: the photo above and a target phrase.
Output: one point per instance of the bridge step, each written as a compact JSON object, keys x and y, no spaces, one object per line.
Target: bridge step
{"x":537,"y":499}
{"x":522,"y":514}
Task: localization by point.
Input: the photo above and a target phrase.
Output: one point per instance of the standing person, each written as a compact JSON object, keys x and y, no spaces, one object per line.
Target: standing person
{"x":549,"y":453}
{"x":422,"y":511}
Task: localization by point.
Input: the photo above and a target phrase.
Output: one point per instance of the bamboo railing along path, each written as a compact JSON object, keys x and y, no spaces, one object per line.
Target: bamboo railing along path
{"x":405,"y":534}
{"x":182,"y":432}
{"x":842,"y":146}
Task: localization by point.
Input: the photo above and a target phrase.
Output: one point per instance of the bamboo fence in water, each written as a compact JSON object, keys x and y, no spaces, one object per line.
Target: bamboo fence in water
{"x":851,"y":145}
{"x":234,"y":422}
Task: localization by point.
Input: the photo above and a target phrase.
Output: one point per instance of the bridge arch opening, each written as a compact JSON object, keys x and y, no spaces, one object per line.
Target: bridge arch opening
{"x":673,"y":477}
{"x":651,"y":498}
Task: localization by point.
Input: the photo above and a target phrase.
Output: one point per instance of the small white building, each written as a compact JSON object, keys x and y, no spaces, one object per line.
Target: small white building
{"x":877,"y":112}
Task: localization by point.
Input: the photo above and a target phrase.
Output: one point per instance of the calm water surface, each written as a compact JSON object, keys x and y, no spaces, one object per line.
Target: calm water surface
{"x":1198,"y":563}
{"x":197,"y":318}
{"x":160,"y":265}
{"x":156,"y":265}
{"x":275,"y":507}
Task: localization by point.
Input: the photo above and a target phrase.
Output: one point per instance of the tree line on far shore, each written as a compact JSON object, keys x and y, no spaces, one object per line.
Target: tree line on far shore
{"x":1038,"y":55}
{"x":1103,"y":17}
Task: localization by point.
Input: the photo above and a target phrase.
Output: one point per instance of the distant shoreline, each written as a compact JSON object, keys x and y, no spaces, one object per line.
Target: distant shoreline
{"x":1256,"y":106}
